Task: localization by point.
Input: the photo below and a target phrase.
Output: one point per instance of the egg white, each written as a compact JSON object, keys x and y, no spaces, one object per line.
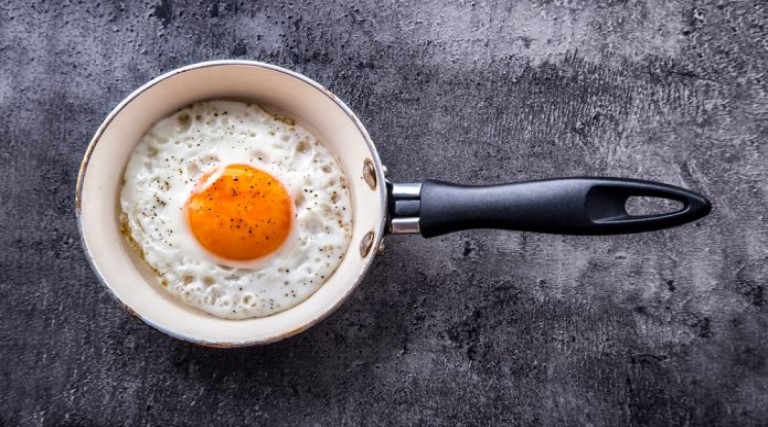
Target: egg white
{"x":167,"y":165}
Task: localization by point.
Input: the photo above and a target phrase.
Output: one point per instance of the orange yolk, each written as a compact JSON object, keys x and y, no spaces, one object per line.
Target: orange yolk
{"x":245,"y":214}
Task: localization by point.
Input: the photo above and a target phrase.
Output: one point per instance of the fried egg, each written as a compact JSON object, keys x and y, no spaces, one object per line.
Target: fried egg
{"x":240,"y":211}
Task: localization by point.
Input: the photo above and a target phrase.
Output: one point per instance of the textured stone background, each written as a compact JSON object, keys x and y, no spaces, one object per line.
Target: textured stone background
{"x":479,"y":327}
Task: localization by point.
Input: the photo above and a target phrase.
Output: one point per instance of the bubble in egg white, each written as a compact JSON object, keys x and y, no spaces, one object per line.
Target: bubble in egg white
{"x":167,"y":164}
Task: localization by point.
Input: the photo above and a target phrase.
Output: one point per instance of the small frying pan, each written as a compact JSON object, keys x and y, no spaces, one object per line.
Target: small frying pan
{"x":587,"y":206}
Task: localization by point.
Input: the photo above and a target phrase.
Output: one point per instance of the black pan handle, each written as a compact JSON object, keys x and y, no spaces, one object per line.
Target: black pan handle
{"x":578,"y":206}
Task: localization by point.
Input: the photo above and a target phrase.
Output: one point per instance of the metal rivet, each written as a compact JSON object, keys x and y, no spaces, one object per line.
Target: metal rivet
{"x":366,"y":244}
{"x":369,"y":173}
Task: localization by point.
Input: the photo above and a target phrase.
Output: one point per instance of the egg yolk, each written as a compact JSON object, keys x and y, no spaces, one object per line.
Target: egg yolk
{"x":245,"y":214}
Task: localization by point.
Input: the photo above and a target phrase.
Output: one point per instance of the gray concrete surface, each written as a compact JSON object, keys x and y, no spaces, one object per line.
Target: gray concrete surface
{"x":475,"y":328}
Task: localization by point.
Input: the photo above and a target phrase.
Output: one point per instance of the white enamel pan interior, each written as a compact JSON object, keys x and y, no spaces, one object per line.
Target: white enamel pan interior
{"x":118,"y":265}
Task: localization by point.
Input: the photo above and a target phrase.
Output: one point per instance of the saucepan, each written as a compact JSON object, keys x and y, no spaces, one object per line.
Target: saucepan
{"x":587,"y":206}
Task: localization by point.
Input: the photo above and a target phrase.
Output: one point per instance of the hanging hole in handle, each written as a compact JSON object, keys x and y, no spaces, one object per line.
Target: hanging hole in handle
{"x":647,"y":206}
